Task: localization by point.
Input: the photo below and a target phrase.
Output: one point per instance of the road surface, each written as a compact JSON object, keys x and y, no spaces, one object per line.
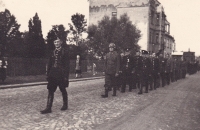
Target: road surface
{"x":173,"y":107}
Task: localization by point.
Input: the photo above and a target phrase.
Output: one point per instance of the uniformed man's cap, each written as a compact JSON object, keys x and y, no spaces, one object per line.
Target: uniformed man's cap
{"x":111,"y":45}
{"x":57,"y":39}
{"x":144,"y":52}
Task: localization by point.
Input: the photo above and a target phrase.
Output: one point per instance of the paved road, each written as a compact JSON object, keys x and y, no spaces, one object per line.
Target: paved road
{"x":174,"y":107}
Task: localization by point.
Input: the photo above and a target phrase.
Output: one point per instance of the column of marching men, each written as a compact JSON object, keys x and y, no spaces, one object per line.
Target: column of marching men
{"x":142,"y":71}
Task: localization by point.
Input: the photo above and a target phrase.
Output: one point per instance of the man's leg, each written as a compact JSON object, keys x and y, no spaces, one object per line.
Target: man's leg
{"x":65,"y":96}
{"x":107,"y":85}
{"x":51,"y":86}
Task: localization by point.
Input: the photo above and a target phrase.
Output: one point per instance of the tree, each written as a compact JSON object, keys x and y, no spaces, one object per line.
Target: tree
{"x":119,"y":31}
{"x":126,"y":34}
{"x":36,"y":44}
{"x":80,"y":24}
{"x":16,"y":47}
{"x":9,"y":29}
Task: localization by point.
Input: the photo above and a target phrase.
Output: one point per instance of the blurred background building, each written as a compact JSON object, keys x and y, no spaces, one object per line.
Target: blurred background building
{"x":148,"y":16}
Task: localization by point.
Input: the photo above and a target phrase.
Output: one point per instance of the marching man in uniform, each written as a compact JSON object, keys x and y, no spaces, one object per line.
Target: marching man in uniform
{"x":57,"y":75}
{"x":137,"y":77}
{"x":112,"y":66}
{"x":127,"y":70}
{"x":155,"y":71}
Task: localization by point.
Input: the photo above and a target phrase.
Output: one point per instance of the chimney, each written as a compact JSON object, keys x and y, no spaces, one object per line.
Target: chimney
{"x":189,"y":50}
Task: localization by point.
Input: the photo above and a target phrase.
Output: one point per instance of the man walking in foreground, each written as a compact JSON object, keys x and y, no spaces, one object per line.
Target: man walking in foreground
{"x":57,"y":75}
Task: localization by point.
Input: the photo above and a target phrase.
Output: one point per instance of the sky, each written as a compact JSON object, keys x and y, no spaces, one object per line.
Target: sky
{"x":183,"y":15}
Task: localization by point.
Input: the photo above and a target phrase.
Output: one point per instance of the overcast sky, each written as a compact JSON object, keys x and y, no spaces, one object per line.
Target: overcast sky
{"x":183,"y":15}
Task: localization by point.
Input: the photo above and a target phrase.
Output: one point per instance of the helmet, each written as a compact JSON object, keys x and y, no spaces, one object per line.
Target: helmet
{"x":111,"y":45}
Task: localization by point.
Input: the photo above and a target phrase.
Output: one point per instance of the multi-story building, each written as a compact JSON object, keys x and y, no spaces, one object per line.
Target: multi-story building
{"x":148,"y":16}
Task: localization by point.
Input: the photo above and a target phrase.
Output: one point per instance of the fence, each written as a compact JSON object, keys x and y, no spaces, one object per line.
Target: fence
{"x":31,"y":66}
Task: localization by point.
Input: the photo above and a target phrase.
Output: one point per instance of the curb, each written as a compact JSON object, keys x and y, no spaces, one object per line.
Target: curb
{"x":44,"y":83}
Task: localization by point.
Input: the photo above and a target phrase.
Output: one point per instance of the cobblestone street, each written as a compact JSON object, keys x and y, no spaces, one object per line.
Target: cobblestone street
{"x":174,"y":107}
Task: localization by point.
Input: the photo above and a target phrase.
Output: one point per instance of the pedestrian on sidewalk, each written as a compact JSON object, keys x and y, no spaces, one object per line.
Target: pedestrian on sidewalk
{"x":58,"y":74}
{"x":78,"y":72}
{"x":94,"y":69}
{"x":112,"y":66}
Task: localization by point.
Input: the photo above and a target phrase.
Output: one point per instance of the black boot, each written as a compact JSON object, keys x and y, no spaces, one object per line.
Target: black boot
{"x":106,"y":94}
{"x":146,"y":87}
{"x":151,"y":88}
{"x":114,"y":91}
{"x":140,"y":87}
{"x":49,"y":104}
{"x":123,"y":88}
{"x":65,"y":101}
{"x":130,"y":88}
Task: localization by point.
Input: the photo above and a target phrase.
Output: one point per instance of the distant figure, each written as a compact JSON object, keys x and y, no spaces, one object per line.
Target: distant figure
{"x":57,"y":75}
{"x":94,"y":69}
{"x":78,"y":72}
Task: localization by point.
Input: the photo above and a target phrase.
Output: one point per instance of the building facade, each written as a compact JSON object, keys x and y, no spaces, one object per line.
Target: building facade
{"x":148,"y":16}
{"x":189,"y":56}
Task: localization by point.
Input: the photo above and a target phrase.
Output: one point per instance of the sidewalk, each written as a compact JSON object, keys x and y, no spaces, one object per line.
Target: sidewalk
{"x":24,"y":81}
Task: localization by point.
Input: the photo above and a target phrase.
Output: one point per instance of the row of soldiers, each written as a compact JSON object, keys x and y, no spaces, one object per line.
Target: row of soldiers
{"x":140,"y":71}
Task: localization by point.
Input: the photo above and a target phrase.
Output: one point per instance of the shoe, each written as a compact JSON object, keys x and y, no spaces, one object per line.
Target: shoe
{"x":64,"y":107}
{"x":45,"y":111}
{"x":49,"y":104}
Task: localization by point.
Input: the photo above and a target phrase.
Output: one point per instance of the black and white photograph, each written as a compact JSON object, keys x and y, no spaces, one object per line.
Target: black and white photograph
{"x":99,"y":65}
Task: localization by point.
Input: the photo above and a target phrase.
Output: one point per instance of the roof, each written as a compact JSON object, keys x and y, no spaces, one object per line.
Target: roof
{"x":188,"y":53}
{"x":117,"y":2}
{"x":177,"y":53}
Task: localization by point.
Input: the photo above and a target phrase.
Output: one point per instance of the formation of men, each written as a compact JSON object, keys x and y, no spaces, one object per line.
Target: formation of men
{"x":142,"y":70}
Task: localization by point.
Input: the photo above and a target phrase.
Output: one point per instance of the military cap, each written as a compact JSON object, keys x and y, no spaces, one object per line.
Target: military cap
{"x":111,"y":45}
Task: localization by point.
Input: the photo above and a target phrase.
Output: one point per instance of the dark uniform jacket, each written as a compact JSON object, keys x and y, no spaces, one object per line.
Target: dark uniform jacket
{"x":112,"y":63}
{"x":127,"y":64}
{"x":146,"y":66}
{"x":138,"y":64}
{"x":155,"y":65}
{"x":168,"y":66}
{"x":58,"y":65}
{"x":172,"y":64}
{"x":162,"y":65}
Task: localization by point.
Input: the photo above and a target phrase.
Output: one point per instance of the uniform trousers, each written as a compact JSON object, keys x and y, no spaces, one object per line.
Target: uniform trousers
{"x":126,"y":80}
{"x":111,"y":82}
{"x":137,"y":80}
{"x":167,"y":75}
{"x":162,"y":75}
{"x":155,"y":79}
{"x":145,"y":82}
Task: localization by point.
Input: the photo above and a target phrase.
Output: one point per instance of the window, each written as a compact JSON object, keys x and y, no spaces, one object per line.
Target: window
{"x":157,"y":19}
{"x":157,"y":38}
{"x":114,"y":14}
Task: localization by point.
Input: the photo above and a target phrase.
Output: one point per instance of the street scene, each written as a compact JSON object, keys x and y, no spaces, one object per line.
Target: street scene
{"x":173,"y":107}
{"x":99,"y":65}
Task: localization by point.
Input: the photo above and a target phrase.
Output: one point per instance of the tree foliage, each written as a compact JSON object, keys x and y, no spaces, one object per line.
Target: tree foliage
{"x":36,"y":44}
{"x":9,"y":29}
{"x":80,"y":24}
{"x":119,"y":31}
